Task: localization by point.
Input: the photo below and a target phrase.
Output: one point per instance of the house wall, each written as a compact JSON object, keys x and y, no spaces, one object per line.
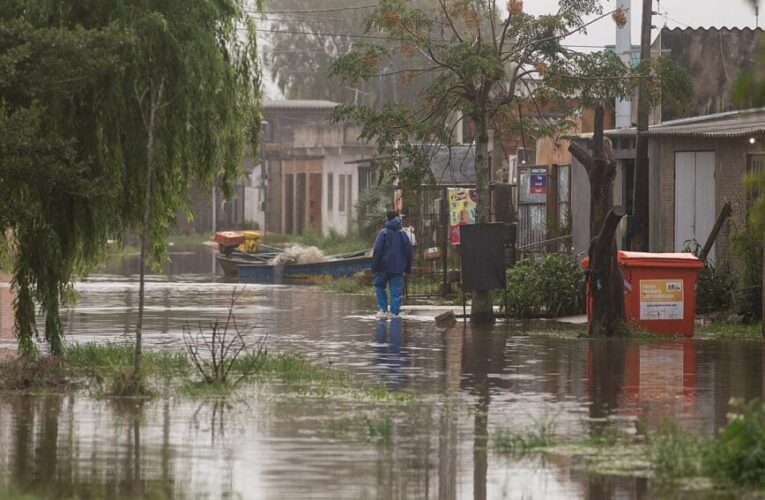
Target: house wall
{"x":332,"y":218}
{"x":730,"y":170}
{"x":300,"y":197}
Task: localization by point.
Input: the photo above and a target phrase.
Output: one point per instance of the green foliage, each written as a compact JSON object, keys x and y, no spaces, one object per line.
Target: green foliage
{"x":675,"y":453}
{"x":749,"y":89}
{"x":747,"y":247}
{"x":738,"y":457}
{"x":714,"y":291}
{"x":85,"y":90}
{"x":551,"y":287}
{"x":516,"y":443}
{"x":371,"y":207}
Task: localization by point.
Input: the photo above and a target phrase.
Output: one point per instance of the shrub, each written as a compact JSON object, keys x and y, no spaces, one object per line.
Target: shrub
{"x":551,"y":287}
{"x":747,"y":247}
{"x":738,"y":456}
{"x":714,"y":291}
{"x":675,"y":453}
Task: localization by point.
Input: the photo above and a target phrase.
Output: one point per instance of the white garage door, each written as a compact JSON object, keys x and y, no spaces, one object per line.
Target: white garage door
{"x":694,"y":198}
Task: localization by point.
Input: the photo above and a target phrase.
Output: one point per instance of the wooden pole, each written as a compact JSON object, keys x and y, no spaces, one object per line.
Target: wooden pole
{"x":639,"y":232}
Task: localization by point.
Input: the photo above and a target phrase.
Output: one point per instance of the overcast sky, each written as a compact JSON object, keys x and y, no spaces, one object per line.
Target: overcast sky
{"x":679,"y":14}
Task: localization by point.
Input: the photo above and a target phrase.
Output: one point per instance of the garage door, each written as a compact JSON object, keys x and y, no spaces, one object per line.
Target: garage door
{"x":694,"y":198}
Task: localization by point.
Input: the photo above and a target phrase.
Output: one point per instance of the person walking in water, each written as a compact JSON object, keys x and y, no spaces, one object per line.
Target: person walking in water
{"x":391,"y":258}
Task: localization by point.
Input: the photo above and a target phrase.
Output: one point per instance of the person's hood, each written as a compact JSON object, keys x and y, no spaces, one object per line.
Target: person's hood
{"x":394,"y":224}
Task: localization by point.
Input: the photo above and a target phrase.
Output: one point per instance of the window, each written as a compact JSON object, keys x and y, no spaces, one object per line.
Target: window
{"x":330,"y":191}
{"x":349,"y":193}
{"x":341,"y":193}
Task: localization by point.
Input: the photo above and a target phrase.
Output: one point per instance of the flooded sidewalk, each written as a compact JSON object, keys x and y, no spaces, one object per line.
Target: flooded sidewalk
{"x":466,"y":383}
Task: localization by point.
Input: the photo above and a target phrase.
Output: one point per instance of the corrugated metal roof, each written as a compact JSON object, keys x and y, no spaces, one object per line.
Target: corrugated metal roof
{"x":729,"y":124}
{"x":299,"y":104}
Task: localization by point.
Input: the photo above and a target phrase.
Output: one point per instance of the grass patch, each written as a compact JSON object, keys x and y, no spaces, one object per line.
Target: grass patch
{"x":355,"y":285}
{"x":515,"y":443}
{"x":370,"y":428}
{"x":304,"y":377}
{"x":676,"y":454}
{"x":104,"y":360}
{"x":109,"y":366}
{"x":737,"y":457}
{"x":44,"y":373}
{"x":727,"y":331}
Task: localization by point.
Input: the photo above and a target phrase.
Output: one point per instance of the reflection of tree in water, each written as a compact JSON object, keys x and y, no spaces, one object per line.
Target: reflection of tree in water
{"x":51,"y":456}
{"x":484,"y":353}
{"x":606,"y":363}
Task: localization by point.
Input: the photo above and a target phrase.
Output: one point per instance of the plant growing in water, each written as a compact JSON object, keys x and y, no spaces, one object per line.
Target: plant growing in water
{"x":216,"y":352}
{"x":738,"y":456}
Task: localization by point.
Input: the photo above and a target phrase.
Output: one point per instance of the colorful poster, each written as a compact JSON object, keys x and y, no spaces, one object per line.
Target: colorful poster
{"x":661,"y":299}
{"x":461,"y":210}
{"x":538,"y":181}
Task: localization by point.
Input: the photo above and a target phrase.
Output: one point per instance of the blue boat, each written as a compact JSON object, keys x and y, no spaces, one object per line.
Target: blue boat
{"x":302,"y":273}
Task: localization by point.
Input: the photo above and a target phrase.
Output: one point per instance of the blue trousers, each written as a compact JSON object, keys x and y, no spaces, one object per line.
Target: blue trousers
{"x":395,"y":282}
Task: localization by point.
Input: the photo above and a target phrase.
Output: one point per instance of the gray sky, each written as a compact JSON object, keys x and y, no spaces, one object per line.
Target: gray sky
{"x":680,"y":13}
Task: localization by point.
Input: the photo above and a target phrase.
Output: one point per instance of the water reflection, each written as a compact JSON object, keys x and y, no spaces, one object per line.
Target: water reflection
{"x":468,"y":382}
{"x":388,"y":355}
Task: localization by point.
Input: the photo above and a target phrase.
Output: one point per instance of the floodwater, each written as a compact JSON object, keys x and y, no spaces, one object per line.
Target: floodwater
{"x":468,"y":383}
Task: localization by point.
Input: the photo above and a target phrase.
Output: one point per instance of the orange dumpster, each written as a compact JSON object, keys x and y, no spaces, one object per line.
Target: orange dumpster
{"x":659,"y":290}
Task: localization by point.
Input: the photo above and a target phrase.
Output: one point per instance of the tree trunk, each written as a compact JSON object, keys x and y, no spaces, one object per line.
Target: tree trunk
{"x":155,"y":98}
{"x":482,"y":307}
{"x":606,"y":283}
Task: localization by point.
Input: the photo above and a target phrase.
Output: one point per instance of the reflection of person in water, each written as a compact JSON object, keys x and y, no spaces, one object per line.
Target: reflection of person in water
{"x":388,"y":356}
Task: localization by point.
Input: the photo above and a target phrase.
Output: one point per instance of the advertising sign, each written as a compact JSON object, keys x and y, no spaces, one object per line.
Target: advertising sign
{"x":538,"y":181}
{"x":461,"y":210}
{"x":661,"y":299}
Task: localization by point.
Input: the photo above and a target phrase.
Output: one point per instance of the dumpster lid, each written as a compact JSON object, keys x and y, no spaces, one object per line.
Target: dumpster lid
{"x":687,"y":260}
{"x":651,"y":259}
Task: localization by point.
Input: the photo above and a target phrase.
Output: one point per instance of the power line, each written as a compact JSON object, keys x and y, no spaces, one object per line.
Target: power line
{"x":314,"y":11}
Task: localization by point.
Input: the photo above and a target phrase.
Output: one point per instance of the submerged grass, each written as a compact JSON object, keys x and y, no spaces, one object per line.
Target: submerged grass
{"x":514,"y":443}
{"x":109,"y":366}
{"x":729,"y":331}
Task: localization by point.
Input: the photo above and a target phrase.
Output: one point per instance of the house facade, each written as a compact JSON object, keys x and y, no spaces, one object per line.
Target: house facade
{"x":699,"y":165}
{"x":312,"y":171}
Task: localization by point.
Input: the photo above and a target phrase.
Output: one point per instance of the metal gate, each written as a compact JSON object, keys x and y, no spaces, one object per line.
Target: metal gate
{"x":436,"y":264}
{"x":543,"y":208}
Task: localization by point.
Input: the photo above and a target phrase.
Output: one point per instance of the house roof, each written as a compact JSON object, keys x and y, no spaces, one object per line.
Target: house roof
{"x":300,"y":104}
{"x":730,"y":124}
{"x":455,"y":165}
{"x":450,"y":166}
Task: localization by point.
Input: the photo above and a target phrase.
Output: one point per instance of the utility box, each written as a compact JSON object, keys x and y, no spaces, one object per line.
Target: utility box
{"x":659,"y":290}
{"x":482,"y":254}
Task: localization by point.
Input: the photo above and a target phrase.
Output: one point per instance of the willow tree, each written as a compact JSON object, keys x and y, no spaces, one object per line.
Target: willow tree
{"x":175,"y":106}
{"x":56,"y":191}
{"x":482,"y":61}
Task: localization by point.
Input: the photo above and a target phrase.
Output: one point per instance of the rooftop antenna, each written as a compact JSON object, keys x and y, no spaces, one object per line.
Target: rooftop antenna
{"x":756,"y":16}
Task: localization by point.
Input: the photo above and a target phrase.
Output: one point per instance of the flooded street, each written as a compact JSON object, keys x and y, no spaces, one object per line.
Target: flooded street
{"x":467,"y":382}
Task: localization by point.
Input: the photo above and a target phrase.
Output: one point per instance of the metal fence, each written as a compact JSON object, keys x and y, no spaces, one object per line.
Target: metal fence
{"x":436,"y":263}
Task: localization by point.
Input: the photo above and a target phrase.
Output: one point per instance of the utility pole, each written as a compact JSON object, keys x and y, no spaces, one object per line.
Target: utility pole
{"x":639,"y":229}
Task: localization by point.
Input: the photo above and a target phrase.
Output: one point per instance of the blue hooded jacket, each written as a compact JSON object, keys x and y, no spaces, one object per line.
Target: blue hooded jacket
{"x":393,"y":250}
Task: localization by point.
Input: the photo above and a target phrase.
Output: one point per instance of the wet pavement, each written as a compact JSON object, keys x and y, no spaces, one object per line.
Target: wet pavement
{"x":468,"y":383}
